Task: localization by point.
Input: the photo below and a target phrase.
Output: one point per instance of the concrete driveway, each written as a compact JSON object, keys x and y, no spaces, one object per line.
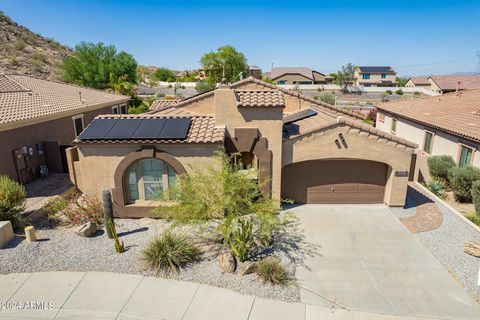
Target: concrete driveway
{"x":368,"y":261}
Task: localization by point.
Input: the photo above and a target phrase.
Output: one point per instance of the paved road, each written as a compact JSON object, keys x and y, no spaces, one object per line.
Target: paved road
{"x":368,"y":261}
{"x":101,"y":295}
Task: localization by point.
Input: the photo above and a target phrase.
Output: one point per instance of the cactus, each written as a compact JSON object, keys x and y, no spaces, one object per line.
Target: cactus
{"x":107,"y":210}
{"x":242,"y":239}
{"x":119,"y":247}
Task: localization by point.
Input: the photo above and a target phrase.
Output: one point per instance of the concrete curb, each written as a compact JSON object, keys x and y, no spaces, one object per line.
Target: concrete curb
{"x":461,"y":216}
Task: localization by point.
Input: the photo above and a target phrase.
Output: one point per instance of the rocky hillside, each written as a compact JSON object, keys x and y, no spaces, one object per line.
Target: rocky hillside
{"x":25,"y":52}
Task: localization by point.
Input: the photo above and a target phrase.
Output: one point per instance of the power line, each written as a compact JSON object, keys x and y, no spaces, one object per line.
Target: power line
{"x":434,"y":63}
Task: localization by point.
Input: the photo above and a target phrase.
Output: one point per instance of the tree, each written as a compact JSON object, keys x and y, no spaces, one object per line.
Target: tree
{"x":164,"y":74}
{"x":98,"y":66}
{"x":346,"y":76}
{"x":204,"y":86}
{"x":401,"y":81}
{"x":225,"y":58}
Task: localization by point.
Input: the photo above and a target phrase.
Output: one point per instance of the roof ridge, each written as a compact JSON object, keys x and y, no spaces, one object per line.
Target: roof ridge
{"x":18,"y":83}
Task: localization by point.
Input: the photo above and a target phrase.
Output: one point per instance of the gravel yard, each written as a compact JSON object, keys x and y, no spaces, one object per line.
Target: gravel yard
{"x":446,"y":244}
{"x":59,"y":249}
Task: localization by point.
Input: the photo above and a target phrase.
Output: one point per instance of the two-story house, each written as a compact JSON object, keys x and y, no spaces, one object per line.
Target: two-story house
{"x":367,"y":76}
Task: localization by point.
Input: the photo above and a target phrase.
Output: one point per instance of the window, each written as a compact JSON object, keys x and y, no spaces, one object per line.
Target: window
{"x":466,"y":155}
{"x":78,"y":124}
{"x":381,"y":117}
{"x":115,"y":110}
{"x":367,"y":84}
{"x":428,"y":142}
{"x":366,"y":76}
{"x":149,"y":179}
{"x":384,"y":75}
{"x":123,"y":109}
{"x":281,"y":82}
{"x":393,"y":127}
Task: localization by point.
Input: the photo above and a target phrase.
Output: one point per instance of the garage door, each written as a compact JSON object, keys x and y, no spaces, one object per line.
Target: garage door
{"x":334,"y":181}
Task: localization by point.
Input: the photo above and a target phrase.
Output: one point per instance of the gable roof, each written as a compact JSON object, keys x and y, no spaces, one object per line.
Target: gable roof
{"x":336,"y":111}
{"x":280,"y":71}
{"x":376,"y":69}
{"x":260,"y":99}
{"x":202,"y":130}
{"x":450,"y":82}
{"x":24,"y":99}
{"x":455,"y":113}
{"x":420,"y":80}
{"x":162,"y":104}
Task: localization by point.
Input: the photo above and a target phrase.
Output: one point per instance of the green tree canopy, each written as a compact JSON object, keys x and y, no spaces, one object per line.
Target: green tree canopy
{"x":227,"y":57}
{"x":401,"y":81}
{"x":164,"y":74}
{"x":345,"y":76}
{"x":98,"y":66}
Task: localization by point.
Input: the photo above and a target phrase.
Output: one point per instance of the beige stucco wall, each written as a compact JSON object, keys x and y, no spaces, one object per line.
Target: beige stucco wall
{"x":292,"y":79}
{"x":267,"y":120}
{"x":411,"y":84}
{"x":443,"y":143}
{"x":97,"y":163}
{"x":374,"y":78}
{"x":361,"y":145}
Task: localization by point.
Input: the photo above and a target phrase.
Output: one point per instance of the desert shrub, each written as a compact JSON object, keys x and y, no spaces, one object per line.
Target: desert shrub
{"x":273,"y":271}
{"x":14,"y":61}
{"x":20,"y":45}
{"x":84,"y":209}
{"x":169,"y":252}
{"x":55,"y":205}
{"x":40,"y":57}
{"x":399,"y":92}
{"x":475,"y":191}
{"x":326,"y":97}
{"x":241,"y":239}
{"x":416,"y":94}
{"x":438,"y":166}
{"x":384,"y":97}
{"x":160,"y":94}
{"x":12,"y":201}
{"x":461,"y":180}
{"x":372,"y":115}
{"x":438,"y":187}
{"x":475,"y":218}
{"x":389,"y":92}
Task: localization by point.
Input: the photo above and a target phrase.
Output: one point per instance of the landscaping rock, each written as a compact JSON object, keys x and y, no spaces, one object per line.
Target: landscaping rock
{"x":472,"y":248}
{"x":227,"y":262}
{"x":87,"y":230}
{"x":246,"y":268}
{"x":6,"y":233}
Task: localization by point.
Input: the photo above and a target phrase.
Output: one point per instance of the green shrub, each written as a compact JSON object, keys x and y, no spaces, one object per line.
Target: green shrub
{"x":55,"y":205}
{"x":169,"y":252}
{"x":438,"y":187}
{"x":241,"y":239}
{"x":388,"y":92}
{"x":272,"y":270}
{"x":475,"y":218}
{"x":84,"y":209}
{"x":461,"y":180}
{"x":438,"y":166}
{"x":326,"y":97}
{"x":416,"y":94}
{"x":399,"y":92}
{"x":12,"y":201}
{"x":475,"y":191}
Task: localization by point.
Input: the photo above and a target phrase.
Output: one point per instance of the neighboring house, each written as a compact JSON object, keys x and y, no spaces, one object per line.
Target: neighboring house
{"x":296,"y":75}
{"x":444,"y":125}
{"x":255,"y":72}
{"x":39,"y":119}
{"x":421,"y":82}
{"x":368,"y":76}
{"x":304,"y":149}
{"x":445,"y":84}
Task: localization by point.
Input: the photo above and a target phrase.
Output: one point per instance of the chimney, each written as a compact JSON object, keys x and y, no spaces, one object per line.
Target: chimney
{"x":458,"y":87}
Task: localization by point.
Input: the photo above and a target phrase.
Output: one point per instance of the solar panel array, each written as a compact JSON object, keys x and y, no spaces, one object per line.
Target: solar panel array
{"x":300,"y":115}
{"x":136,"y":129}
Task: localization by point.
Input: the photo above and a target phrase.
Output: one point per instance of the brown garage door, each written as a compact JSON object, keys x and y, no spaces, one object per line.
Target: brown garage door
{"x":334,"y":181}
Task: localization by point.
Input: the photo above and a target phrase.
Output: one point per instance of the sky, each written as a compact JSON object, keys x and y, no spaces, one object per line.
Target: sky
{"x":421,"y":37}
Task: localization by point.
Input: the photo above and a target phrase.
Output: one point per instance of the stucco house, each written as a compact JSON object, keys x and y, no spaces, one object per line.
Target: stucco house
{"x":445,"y":84}
{"x":375,"y":76}
{"x":297,"y":75}
{"x":39,"y":119}
{"x":305,"y":150}
{"x":419,"y":82}
{"x":444,"y":125}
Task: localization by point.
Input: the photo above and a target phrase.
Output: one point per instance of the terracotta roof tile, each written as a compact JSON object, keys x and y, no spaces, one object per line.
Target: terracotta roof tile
{"x":420,"y":80}
{"x":162,"y":104}
{"x":458,"y":114}
{"x":202,"y":130}
{"x":278,"y":72}
{"x":25,"y":97}
{"x":259,"y":99}
{"x":450,"y":82}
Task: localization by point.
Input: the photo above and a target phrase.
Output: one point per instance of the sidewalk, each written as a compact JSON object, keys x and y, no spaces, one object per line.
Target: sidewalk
{"x":102,"y":295}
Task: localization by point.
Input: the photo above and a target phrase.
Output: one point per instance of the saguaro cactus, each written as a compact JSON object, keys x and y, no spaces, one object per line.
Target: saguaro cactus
{"x":107,"y":210}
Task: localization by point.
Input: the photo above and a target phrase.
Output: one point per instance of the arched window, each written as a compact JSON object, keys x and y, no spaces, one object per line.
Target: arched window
{"x":149,"y":179}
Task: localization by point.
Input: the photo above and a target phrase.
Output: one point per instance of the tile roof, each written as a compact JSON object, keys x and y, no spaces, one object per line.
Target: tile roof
{"x":420,"y":80}
{"x":278,"y":72}
{"x":260,"y":98}
{"x":455,"y":113}
{"x":376,"y":69}
{"x":162,"y":104}
{"x":450,"y":82}
{"x":202,"y":130}
{"x":25,"y":97}
{"x":322,"y":120}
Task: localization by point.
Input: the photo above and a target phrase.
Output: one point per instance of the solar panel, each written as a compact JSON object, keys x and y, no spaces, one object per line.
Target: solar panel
{"x":97,"y":129}
{"x":123,"y":129}
{"x":175,"y":128}
{"x":300,"y":115}
{"x":149,"y":128}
